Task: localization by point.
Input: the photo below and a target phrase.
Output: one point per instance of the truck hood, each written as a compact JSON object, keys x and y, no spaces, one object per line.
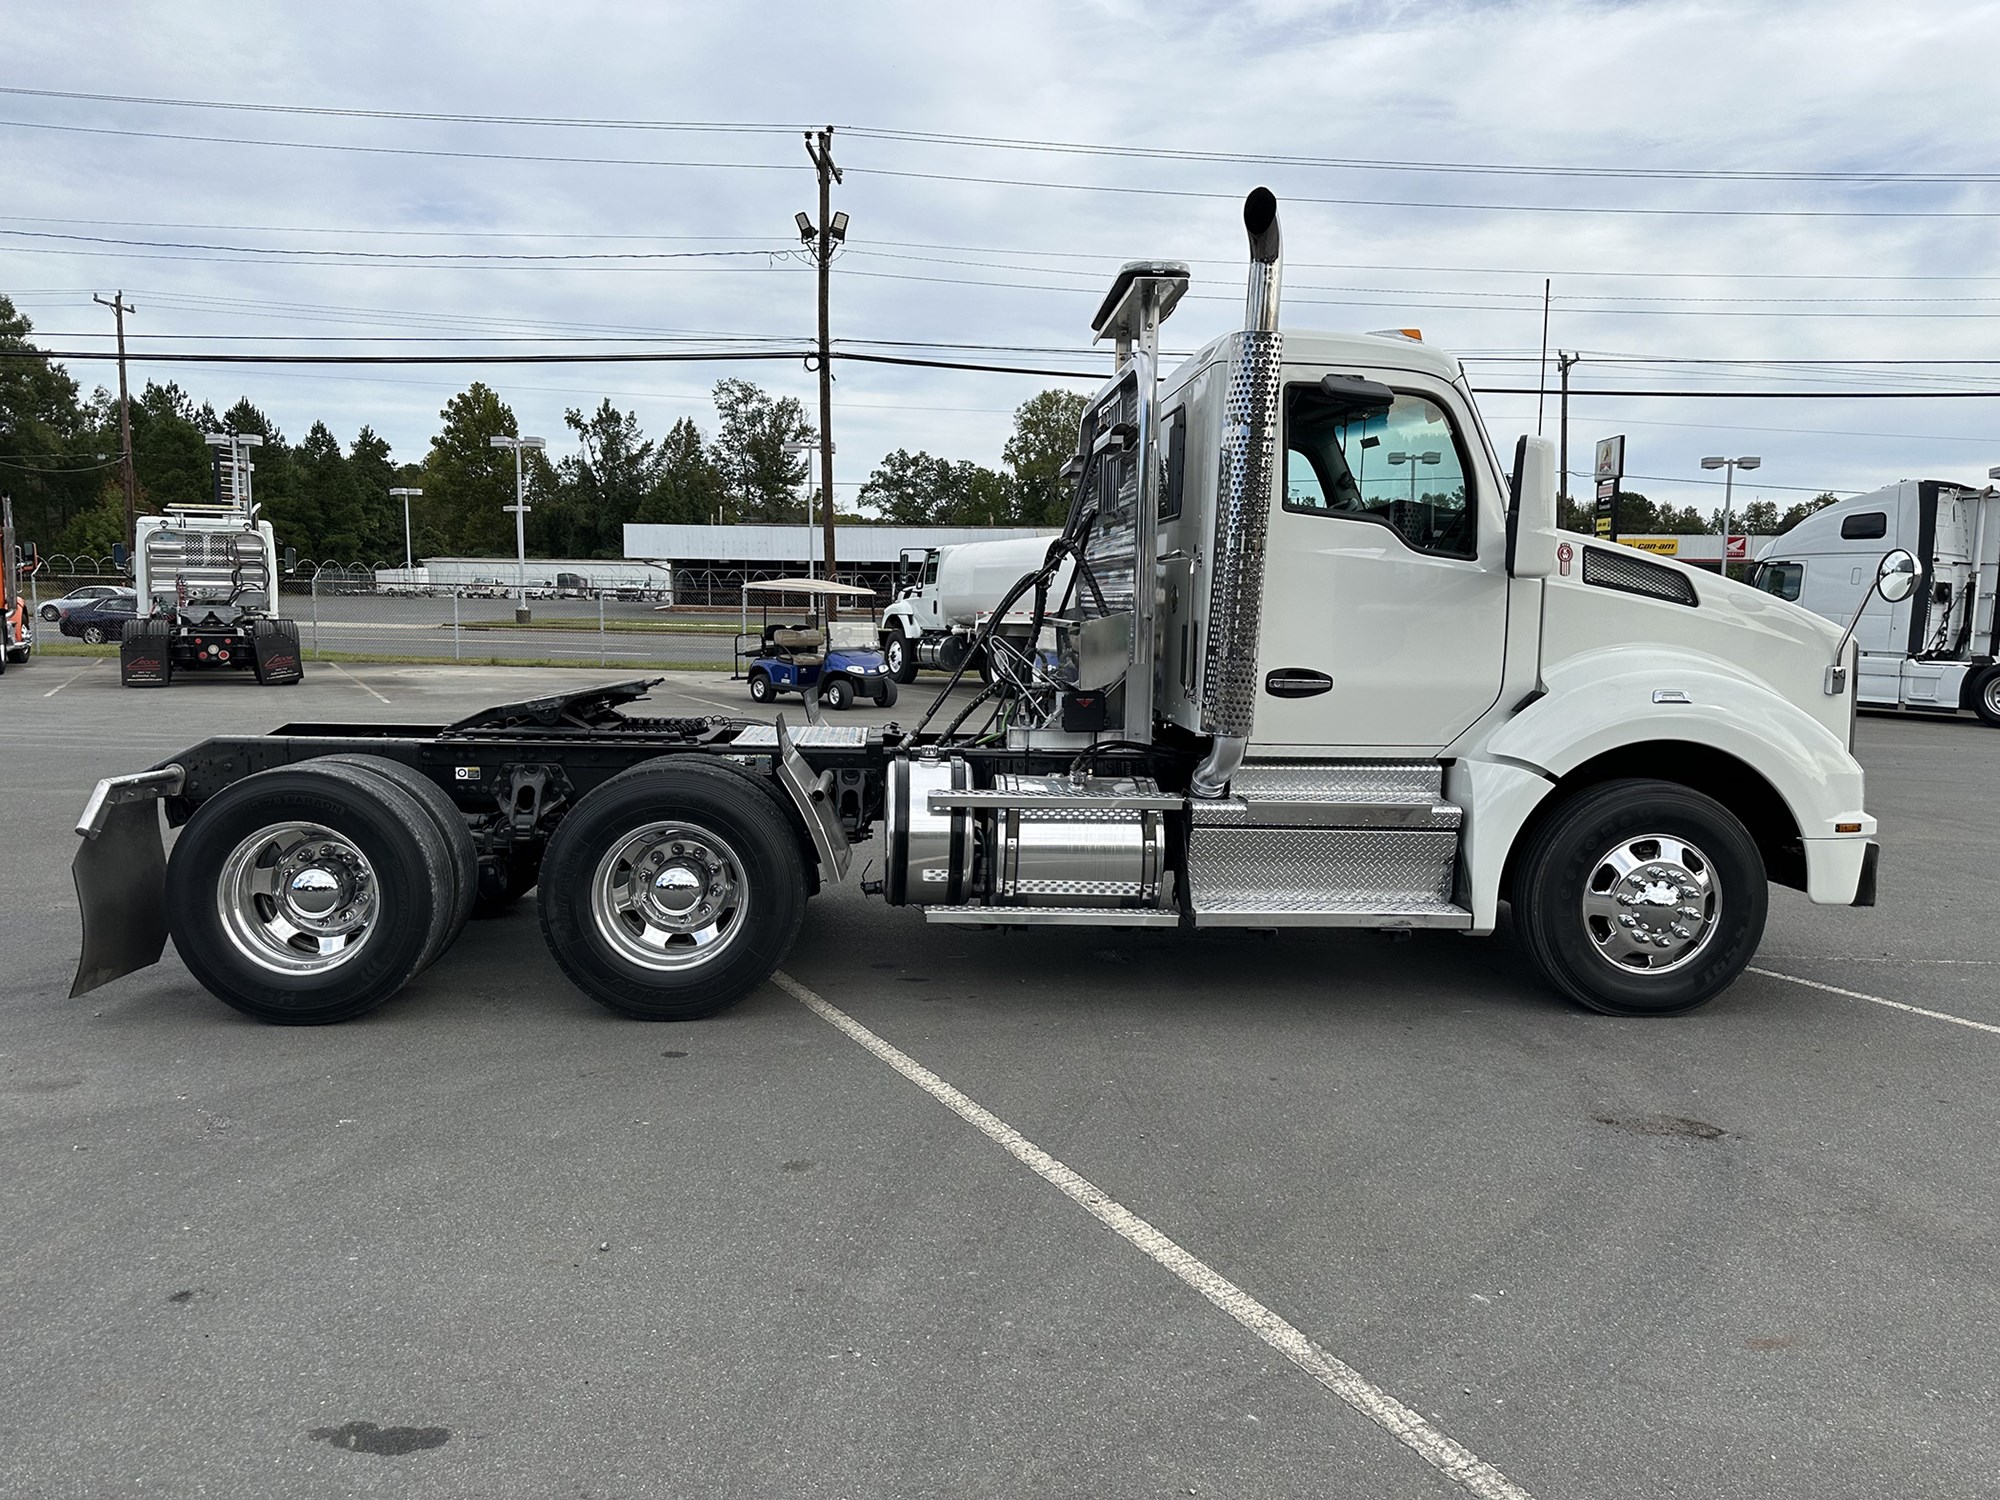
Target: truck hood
{"x":1741,"y":630}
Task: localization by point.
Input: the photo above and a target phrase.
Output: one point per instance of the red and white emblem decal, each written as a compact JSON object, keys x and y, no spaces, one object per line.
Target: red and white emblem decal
{"x":1564,"y":552}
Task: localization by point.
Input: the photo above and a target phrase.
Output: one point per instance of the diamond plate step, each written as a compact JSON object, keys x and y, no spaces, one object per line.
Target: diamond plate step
{"x":1331,"y":794}
{"x":1341,"y":914}
{"x":1318,"y":870}
{"x":1050,"y":916}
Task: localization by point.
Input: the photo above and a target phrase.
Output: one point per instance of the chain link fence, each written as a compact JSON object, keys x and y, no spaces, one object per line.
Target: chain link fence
{"x":345,"y":614}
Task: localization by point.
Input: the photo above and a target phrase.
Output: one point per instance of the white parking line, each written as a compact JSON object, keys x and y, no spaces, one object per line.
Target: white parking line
{"x":1448,"y":1457}
{"x":1915,"y":1010}
{"x":71,"y":678}
{"x":357,"y":682}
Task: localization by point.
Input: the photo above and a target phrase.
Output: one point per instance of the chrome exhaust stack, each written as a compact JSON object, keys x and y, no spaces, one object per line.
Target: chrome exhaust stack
{"x":1243,"y":509}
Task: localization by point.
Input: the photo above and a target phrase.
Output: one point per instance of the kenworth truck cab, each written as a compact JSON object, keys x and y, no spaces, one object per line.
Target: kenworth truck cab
{"x":1322,"y":659}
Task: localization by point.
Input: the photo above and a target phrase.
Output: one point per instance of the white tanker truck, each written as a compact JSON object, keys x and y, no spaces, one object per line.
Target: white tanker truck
{"x":938,"y":617}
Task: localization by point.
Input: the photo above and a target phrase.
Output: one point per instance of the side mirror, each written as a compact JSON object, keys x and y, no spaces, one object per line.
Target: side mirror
{"x":1896,"y":578}
{"x":1897,"y":575}
{"x":1532,"y":534}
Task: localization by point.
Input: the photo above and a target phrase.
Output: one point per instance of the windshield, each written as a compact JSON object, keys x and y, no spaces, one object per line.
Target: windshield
{"x":852,"y":635}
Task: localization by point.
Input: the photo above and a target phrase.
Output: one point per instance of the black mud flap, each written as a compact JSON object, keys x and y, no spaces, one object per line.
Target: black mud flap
{"x":145,"y":655}
{"x":121,"y":879}
{"x":274,"y":652}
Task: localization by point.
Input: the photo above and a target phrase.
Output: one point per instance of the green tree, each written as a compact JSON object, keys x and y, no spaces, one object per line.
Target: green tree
{"x":48,"y":447}
{"x":1758,"y":518}
{"x":374,"y":473}
{"x":753,"y":451}
{"x":169,"y":456}
{"x":687,"y":487}
{"x":333,"y":522}
{"x":916,"y":489}
{"x":466,"y":481}
{"x":1043,"y":440}
{"x":1797,"y":513}
{"x":599,"y":489}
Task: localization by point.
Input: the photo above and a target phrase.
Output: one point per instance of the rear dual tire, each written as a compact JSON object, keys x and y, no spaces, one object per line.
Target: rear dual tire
{"x":673,"y":890}
{"x":310,"y":894}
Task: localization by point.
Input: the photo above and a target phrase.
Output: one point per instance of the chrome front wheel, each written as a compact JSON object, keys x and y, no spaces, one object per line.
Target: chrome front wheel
{"x":1639,"y":897}
{"x":1649,"y":903}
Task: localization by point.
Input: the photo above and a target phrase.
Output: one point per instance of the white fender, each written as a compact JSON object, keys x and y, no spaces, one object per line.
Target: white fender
{"x":1599,"y":701}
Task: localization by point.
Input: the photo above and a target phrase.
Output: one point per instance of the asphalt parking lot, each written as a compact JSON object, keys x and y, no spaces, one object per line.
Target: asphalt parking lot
{"x":493,"y":1241}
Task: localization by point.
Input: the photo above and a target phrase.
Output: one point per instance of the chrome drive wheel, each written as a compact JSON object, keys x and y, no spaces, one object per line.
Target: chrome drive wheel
{"x":1639,"y":898}
{"x":675,"y":888}
{"x":297,"y":898}
{"x":308,"y":894}
{"x":669,"y":896}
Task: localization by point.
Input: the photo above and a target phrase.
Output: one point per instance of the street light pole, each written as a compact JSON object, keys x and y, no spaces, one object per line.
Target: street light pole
{"x":1729,"y":466}
{"x":409,"y":560}
{"x":520,"y":508}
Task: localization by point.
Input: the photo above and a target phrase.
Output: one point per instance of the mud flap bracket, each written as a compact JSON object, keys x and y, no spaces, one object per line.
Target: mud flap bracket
{"x":821,"y":815}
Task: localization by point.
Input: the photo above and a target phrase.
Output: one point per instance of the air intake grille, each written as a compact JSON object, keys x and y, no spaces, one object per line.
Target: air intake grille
{"x":1615,"y":568}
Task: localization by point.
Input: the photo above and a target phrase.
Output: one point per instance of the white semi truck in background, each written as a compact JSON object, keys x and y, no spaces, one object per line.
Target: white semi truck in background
{"x":1937,"y":650}
{"x":1290,"y":689}
{"x":938,"y":616}
{"x":207,"y":578}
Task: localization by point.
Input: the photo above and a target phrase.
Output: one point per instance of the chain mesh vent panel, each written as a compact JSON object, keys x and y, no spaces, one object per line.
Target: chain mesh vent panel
{"x":1628,"y":573}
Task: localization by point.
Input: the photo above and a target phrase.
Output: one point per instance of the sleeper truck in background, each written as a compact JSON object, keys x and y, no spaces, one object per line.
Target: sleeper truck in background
{"x":1290,"y":688}
{"x":1937,"y":650}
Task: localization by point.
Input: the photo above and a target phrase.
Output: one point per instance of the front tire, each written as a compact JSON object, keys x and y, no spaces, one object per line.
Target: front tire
{"x":1985,"y":697}
{"x":1640,"y":898}
{"x":901,"y":657}
{"x":885,"y":693}
{"x":673,"y":890}
{"x":838,"y":692}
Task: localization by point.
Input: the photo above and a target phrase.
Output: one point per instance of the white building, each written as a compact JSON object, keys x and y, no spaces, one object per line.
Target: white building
{"x":712,"y":563}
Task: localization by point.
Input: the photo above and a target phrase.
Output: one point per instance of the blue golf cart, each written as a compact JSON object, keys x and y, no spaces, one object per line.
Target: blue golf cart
{"x":804,"y":652}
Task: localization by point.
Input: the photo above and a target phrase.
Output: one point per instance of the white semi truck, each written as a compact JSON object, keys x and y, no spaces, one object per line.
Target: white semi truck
{"x":939,"y":615}
{"x":1939,"y":649}
{"x":1292,"y":688}
{"x":207,"y":578}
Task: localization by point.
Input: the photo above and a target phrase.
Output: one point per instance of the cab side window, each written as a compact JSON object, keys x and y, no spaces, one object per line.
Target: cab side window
{"x":1404,"y":468}
{"x":1784,"y":579}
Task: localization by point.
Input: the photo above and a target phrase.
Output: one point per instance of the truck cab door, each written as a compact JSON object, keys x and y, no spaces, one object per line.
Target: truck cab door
{"x":1385,"y":604}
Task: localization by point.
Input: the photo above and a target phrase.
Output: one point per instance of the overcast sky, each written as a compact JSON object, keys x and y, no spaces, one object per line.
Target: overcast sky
{"x":962,"y":244}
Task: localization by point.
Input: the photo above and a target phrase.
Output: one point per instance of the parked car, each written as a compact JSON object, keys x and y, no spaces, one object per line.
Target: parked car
{"x":53,"y":610}
{"x":96,"y":621}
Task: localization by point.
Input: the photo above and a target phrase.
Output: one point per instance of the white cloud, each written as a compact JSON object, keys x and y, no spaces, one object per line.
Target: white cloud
{"x":1833,"y":86}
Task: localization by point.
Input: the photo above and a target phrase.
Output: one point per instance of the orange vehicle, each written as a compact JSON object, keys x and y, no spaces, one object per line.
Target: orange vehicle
{"x":17,"y":636}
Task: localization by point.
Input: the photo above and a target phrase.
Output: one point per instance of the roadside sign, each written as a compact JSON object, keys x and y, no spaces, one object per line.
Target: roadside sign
{"x":1611,"y":458}
{"x":1610,"y":475}
{"x":1664,"y":546}
{"x":1736,"y":549}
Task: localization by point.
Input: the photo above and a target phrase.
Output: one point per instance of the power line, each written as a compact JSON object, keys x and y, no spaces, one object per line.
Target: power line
{"x":737,"y":355}
{"x":431,"y":151}
{"x":1016,"y":182}
{"x":1005,"y":143}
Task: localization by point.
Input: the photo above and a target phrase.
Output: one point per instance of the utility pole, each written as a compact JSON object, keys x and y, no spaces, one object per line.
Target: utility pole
{"x":119,"y":307}
{"x":831,"y":230}
{"x":1563,"y":362}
